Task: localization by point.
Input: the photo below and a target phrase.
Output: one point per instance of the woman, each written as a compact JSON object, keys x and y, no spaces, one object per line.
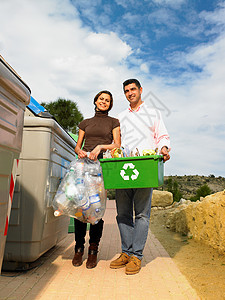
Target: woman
{"x":100,"y":133}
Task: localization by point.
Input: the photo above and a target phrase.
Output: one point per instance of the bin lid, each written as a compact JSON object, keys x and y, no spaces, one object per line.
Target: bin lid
{"x":10,"y":68}
{"x":38,"y":109}
{"x":46,"y":119}
{"x":35,"y":107}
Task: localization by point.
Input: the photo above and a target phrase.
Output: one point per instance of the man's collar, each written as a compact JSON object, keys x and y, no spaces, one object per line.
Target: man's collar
{"x":136,"y":110}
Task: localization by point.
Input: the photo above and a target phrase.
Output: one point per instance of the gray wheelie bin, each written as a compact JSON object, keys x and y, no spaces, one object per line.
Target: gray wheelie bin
{"x":47,"y":151}
{"x":14,"y":96}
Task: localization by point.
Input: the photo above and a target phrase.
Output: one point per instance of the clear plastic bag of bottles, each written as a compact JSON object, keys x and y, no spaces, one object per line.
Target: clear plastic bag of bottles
{"x":81,"y":193}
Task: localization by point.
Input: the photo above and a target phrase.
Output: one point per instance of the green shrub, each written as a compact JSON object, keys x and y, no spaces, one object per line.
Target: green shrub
{"x":172,"y":186}
{"x":203,"y":191}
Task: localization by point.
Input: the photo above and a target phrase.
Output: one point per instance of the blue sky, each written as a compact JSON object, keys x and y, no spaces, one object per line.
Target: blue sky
{"x":158,"y":31}
{"x":176,"y":48}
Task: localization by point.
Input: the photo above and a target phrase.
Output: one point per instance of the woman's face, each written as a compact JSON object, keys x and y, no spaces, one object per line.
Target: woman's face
{"x":103,"y":102}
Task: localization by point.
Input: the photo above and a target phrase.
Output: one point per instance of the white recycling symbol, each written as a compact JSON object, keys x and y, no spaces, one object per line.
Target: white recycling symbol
{"x":135,"y":174}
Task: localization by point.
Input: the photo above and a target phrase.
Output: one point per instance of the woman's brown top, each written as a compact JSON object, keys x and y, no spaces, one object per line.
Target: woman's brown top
{"x":98,"y":130}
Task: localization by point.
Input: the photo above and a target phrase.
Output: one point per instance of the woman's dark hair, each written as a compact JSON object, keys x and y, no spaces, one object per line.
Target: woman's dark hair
{"x":129,"y":81}
{"x":104,"y":92}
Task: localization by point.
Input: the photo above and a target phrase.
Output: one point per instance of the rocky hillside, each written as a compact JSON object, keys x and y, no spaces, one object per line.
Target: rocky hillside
{"x":188,"y":184}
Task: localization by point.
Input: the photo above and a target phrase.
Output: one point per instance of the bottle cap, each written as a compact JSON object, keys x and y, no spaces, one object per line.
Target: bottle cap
{"x":57,"y":213}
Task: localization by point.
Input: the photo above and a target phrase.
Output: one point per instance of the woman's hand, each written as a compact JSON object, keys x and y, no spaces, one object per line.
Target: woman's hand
{"x":82,"y":154}
{"x":95,"y":152}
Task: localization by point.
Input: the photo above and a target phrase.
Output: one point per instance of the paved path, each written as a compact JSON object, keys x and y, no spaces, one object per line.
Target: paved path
{"x":56,"y":278}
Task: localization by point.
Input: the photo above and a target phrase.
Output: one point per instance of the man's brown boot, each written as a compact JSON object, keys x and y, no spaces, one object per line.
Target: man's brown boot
{"x":77,"y":259}
{"x":134,"y":265}
{"x":92,"y":256}
{"x":120,"y":262}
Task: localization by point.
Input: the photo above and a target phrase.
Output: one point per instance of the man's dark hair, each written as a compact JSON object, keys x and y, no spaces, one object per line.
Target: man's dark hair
{"x":129,"y":81}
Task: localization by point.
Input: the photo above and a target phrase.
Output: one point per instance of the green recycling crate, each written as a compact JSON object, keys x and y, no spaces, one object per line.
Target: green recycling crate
{"x":133,"y":172}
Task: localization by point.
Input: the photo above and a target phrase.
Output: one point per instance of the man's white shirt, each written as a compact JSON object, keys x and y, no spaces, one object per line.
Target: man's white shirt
{"x":143,"y":129}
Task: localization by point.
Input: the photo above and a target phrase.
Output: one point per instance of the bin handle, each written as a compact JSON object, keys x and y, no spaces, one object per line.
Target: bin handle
{"x":54,"y":150}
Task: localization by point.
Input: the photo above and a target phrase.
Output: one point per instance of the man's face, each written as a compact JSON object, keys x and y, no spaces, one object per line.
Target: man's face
{"x":133,"y":93}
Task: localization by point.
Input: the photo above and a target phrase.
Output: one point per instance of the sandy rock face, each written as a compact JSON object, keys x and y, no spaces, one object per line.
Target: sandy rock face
{"x":203,"y":220}
{"x":161,"y":198}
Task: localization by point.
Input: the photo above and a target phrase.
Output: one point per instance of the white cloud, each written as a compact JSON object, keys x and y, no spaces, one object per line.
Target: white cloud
{"x":124,"y":3}
{"x":217,"y":16}
{"x":197,"y":122}
{"x":162,"y":16}
{"x":132,"y":19}
{"x":56,"y":56}
{"x":107,"y":45}
{"x":144,"y":68}
{"x":172,"y":3}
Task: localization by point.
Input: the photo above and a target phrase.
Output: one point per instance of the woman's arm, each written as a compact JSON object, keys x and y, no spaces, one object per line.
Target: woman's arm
{"x":81,"y":153}
{"x":116,"y":144}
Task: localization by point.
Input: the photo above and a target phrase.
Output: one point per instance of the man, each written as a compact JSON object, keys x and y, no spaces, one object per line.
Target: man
{"x":141,"y":128}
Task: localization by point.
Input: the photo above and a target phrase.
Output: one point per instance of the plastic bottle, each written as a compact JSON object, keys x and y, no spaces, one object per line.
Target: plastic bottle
{"x":93,"y":194}
{"x":100,"y":185}
{"x":86,"y":212}
{"x":79,"y":181}
{"x":102,"y":194}
{"x":86,"y":204}
{"x":107,"y":154}
{"x":93,"y":168}
{"x":62,"y":205}
{"x":71,"y":191}
{"x":79,"y":214}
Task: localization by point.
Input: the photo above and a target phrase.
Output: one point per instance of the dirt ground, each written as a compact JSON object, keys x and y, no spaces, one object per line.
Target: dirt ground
{"x":202,"y":265}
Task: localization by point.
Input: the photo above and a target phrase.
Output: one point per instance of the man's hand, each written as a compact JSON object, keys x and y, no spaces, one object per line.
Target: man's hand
{"x":164,"y":151}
